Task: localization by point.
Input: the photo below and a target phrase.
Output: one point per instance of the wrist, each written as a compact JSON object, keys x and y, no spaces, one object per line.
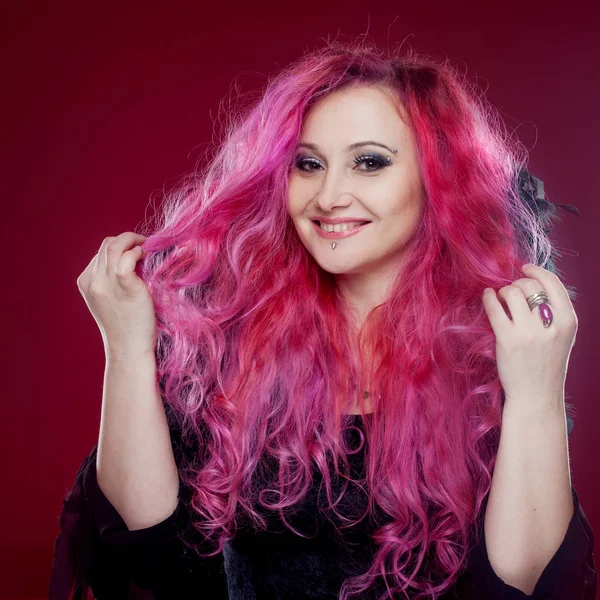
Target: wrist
{"x":122,"y":356}
{"x":527,"y":412}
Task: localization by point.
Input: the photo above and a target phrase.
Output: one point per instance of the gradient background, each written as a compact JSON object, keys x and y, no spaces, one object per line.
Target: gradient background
{"x":104,"y":105}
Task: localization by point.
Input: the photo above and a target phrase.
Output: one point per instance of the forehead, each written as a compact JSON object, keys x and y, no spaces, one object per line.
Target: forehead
{"x":353,"y":113}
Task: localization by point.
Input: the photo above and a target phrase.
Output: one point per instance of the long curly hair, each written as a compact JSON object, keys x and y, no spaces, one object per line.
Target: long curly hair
{"x":255,"y":351}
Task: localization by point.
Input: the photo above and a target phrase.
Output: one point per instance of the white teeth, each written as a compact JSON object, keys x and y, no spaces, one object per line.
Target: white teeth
{"x":340,"y":226}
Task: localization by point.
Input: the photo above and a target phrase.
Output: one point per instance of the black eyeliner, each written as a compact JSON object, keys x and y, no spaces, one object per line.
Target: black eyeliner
{"x":381,"y":161}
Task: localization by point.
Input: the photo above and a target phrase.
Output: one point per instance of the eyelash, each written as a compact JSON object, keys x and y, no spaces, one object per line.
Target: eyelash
{"x":380,"y":161}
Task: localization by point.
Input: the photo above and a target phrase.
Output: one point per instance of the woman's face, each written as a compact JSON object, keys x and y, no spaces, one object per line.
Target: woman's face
{"x":337,"y":175}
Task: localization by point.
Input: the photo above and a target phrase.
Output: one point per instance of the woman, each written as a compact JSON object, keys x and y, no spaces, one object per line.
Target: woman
{"x":330,"y":401}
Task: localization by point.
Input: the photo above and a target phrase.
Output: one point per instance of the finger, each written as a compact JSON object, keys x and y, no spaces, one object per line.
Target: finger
{"x":115,"y":248}
{"x":529,"y":287}
{"x":515,"y":300}
{"x":86,"y":275}
{"x":100,"y":264}
{"x":495,"y":311}
{"x":551,"y":284}
{"x":125,"y":270}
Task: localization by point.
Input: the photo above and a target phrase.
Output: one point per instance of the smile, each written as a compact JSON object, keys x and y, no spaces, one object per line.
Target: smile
{"x":336,"y":235}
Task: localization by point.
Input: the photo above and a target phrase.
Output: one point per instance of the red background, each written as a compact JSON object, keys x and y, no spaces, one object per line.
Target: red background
{"x":103,"y":106}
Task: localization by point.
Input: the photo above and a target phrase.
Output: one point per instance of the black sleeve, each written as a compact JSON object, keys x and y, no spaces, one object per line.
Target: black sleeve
{"x":96,"y":549}
{"x":570,"y":575}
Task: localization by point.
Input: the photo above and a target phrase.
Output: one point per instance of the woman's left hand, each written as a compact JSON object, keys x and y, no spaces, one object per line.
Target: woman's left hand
{"x":532,"y":359}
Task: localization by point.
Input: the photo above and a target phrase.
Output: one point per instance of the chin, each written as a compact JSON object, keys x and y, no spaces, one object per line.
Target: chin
{"x":346,"y":268}
{"x":342,"y":269}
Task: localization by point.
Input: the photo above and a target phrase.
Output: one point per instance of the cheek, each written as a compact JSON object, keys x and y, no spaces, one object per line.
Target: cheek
{"x":294,"y":211}
{"x":297,"y":202}
{"x":292,"y":205}
{"x":401,"y":219}
{"x":408,"y":202}
{"x":294,"y":197}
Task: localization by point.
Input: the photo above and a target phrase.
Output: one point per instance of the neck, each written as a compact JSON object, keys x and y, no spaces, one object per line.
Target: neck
{"x":364,"y":291}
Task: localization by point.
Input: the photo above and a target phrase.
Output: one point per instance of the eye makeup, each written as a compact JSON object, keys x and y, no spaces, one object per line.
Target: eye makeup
{"x":375,"y":162}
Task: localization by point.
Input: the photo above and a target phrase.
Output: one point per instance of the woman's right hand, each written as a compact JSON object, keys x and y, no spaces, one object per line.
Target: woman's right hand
{"x":118,"y":299}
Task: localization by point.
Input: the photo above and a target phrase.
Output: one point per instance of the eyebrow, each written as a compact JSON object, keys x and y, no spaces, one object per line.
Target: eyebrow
{"x":350,"y":147}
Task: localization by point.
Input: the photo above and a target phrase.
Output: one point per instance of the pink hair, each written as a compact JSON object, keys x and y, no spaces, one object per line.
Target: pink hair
{"x":254,"y":350}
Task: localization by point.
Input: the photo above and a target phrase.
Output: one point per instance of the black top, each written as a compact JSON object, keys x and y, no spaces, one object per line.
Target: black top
{"x":95,"y":548}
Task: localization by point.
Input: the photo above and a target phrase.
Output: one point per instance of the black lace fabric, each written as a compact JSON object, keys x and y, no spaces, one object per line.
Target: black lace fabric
{"x":95,"y":550}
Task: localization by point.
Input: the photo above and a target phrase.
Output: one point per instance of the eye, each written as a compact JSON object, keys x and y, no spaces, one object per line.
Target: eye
{"x":303,"y":161}
{"x":374,"y":162}
{"x":373,"y":159}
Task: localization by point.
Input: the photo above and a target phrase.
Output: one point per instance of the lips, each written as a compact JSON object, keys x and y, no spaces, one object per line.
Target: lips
{"x":334,"y":222}
{"x":335,"y":235}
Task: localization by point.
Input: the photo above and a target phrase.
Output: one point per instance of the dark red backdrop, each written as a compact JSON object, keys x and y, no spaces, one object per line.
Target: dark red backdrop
{"x":103,"y":106}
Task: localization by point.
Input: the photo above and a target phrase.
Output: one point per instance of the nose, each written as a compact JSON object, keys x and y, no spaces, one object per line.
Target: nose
{"x":332,"y":192}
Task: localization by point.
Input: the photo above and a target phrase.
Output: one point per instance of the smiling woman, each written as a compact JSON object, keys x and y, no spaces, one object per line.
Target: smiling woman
{"x":353,"y":180}
{"x":268,"y":335}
